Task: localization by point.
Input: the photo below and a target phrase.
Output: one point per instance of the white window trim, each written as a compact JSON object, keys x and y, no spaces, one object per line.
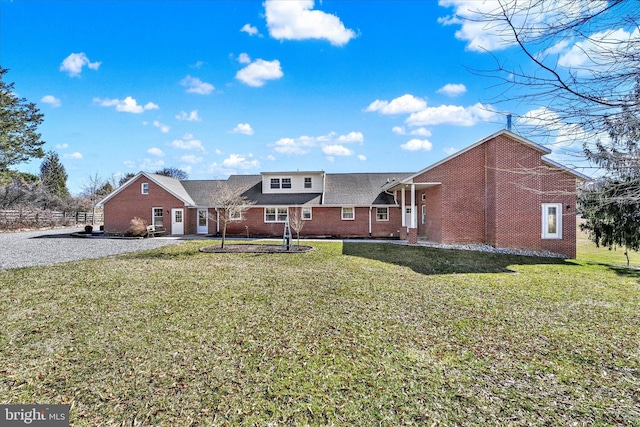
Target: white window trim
{"x":144,"y":188}
{"x":235,"y":214}
{"x":309,"y":184}
{"x":274,"y":183}
{"x":153,"y":215}
{"x":279,"y":210}
{"x":288,"y":184}
{"x":310,"y":214}
{"x":545,"y":221}
{"x":424,"y":214}
{"x":353,"y":209}
{"x":382,"y":220}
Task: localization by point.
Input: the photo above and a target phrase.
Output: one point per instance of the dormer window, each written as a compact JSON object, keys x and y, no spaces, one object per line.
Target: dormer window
{"x":286,"y":182}
{"x":144,"y":188}
{"x":307,"y":182}
{"x":275,"y":182}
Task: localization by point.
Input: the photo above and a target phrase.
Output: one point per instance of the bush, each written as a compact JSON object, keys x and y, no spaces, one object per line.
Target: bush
{"x":137,"y":227}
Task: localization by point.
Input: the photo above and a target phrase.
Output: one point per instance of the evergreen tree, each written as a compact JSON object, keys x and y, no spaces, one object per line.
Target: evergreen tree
{"x":19,"y":121}
{"x":53,"y":175}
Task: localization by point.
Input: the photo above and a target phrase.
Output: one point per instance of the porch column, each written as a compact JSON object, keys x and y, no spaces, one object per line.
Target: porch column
{"x":404,"y":220}
{"x":413,"y":230}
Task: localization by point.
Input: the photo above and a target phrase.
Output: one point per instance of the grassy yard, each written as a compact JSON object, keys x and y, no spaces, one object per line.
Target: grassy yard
{"x":350,"y":334}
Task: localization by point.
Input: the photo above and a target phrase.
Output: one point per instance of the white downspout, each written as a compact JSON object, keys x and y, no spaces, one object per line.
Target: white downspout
{"x":404,"y":202}
{"x":217,"y":221}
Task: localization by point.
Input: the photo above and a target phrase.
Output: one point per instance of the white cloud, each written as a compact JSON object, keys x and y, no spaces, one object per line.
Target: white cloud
{"x":128,"y":105}
{"x":198,"y":64}
{"x":155,"y":151}
{"x":295,"y":20}
{"x":399,"y":130}
{"x":51,"y":100}
{"x":73,"y":64}
{"x":75,"y":156}
{"x":189,"y":144}
{"x":362,"y":158}
{"x":251,"y":30}
{"x":417,"y":145}
{"x":336,"y":150}
{"x":257,"y":73}
{"x":243,"y":128}
{"x":163,"y":128}
{"x":329,"y":143}
{"x":586,"y":55}
{"x":451,"y":115}
{"x":195,"y":85}
{"x":270,"y":157}
{"x":352,"y":137}
{"x":244,"y":58}
{"x":190,"y":158}
{"x":189,"y":117}
{"x":453,"y":89}
{"x":239,"y":161}
{"x":149,"y":164}
{"x":404,"y":104}
{"x":218,"y":151}
{"x":450,"y":150}
{"x":62,"y":146}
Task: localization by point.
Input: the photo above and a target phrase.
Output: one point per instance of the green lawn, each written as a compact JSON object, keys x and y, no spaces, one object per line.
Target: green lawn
{"x":349,"y":334}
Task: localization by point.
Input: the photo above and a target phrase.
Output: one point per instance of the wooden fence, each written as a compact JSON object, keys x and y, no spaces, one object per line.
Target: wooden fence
{"x":37,"y":218}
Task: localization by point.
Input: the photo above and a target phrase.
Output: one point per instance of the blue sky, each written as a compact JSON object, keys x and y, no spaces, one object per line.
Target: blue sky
{"x":240,"y":87}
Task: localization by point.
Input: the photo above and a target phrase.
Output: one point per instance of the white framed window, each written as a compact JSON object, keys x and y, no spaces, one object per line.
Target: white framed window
{"x":424,"y":196}
{"x":144,"y":188}
{"x":306,"y":214}
{"x":275,"y":182}
{"x":348,"y":213}
{"x":275,"y":214}
{"x":286,"y":182}
{"x":552,"y":221}
{"x":157,"y":217}
{"x":424,"y":214}
{"x":307,"y":182}
{"x":235,"y":214}
{"x":382,"y":214}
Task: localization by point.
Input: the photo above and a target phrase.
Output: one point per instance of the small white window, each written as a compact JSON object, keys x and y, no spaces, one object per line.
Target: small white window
{"x":552,"y":221}
{"x":275,"y":182}
{"x":157,"y":217}
{"x":382,"y":214}
{"x":424,"y":196}
{"x":275,"y":214}
{"x":286,"y":182}
{"x":424,"y":214}
{"x":306,"y":214}
{"x":144,"y":188}
{"x":235,"y":214}
{"x":348,"y":213}
{"x":307,"y":182}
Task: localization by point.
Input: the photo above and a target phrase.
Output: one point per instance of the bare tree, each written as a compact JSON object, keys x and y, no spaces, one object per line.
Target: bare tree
{"x":574,"y":67}
{"x":229,"y":206}
{"x":296,"y":221}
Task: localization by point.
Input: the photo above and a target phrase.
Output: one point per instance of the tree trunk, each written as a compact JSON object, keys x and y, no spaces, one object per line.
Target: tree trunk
{"x":224,"y":234}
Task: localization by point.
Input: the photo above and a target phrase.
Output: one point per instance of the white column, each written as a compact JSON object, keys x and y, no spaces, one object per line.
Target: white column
{"x":404,"y":215}
{"x":413,"y":206}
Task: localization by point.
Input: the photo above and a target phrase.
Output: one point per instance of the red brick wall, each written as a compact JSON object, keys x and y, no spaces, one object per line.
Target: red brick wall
{"x":325,"y":221}
{"x":129,"y":203}
{"x":499,"y":204}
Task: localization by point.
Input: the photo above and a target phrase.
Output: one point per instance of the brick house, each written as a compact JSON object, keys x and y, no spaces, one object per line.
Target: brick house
{"x":500,"y":191}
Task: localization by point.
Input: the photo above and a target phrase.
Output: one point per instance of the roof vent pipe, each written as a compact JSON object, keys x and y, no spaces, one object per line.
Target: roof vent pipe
{"x":509,"y":122}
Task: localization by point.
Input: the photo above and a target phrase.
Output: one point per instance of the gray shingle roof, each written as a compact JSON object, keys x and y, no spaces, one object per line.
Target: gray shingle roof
{"x":360,"y":189}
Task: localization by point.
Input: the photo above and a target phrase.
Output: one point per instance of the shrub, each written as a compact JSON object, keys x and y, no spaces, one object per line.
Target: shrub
{"x":137,"y":227}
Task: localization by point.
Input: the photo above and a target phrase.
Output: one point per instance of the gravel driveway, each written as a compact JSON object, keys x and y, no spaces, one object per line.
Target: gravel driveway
{"x":45,"y":247}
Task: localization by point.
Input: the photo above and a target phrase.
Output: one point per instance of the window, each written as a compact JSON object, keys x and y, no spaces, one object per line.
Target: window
{"x":424,"y":196}
{"x":235,"y":214}
{"x":144,"y":188}
{"x":286,"y":182}
{"x":552,"y":221}
{"x":157,"y":217}
{"x":382,"y":214}
{"x":348,"y":213}
{"x":275,"y":214}
{"x":424,"y":214}
{"x":202,"y":218}
{"x":275,"y":182}
{"x":306,"y":214}
{"x":307,"y":182}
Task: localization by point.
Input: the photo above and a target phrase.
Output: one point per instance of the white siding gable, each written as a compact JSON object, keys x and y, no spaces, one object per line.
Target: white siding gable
{"x":292,"y":182}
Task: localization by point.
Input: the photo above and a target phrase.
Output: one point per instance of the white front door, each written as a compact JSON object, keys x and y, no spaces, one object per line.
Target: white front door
{"x":177,"y":221}
{"x":407,"y":216}
{"x":203,"y":221}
